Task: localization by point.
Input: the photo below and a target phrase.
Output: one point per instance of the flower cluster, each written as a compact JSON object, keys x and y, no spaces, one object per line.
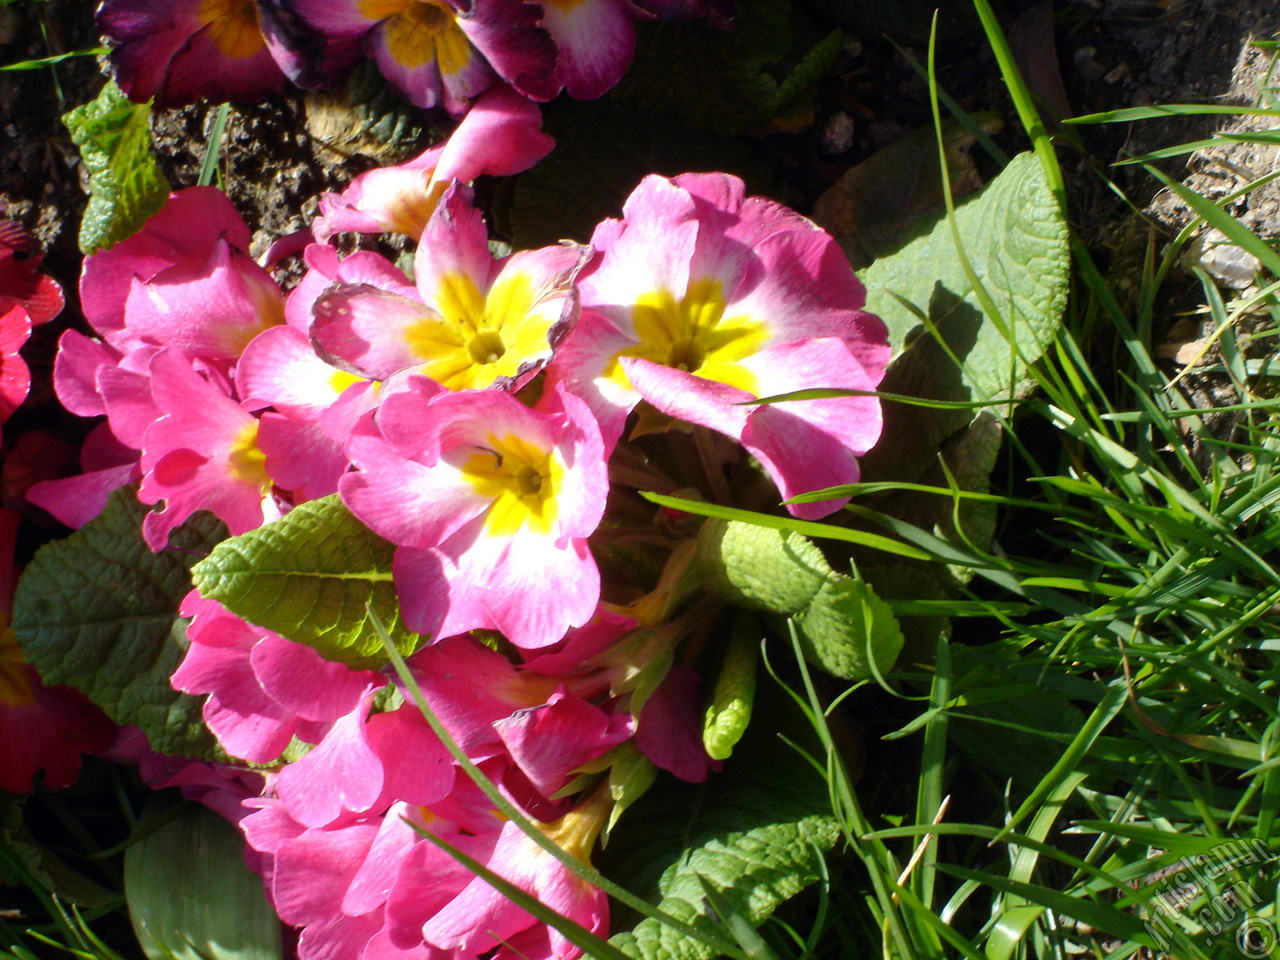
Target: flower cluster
{"x":435,"y":53}
{"x":45,"y":728}
{"x":490,"y":417}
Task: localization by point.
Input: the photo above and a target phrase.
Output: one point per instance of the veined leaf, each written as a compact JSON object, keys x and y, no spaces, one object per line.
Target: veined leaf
{"x":125,"y":185}
{"x":190,"y":895}
{"x":757,"y":832}
{"x":310,"y":576}
{"x":1015,"y":238}
{"x":99,"y":611}
{"x":845,"y":629}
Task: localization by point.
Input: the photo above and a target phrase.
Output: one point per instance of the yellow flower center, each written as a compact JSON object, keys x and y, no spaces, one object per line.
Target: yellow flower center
{"x":420,"y":31}
{"x":475,"y":340}
{"x":233,"y":26}
{"x":245,"y":460}
{"x":694,"y":335}
{"x":339,"y":380}
{"x":522,"y":481}
{"x":15,"y":682}
{"x":575,"y":833}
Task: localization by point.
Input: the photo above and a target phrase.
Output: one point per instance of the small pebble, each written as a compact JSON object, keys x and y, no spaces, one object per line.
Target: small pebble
{"x":1230,"y":265}
{"x":1086,"y":66}
{"x":837,"y":136}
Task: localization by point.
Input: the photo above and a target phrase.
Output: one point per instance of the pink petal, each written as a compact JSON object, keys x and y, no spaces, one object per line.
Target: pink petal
{"x":300,"y":457}
{"x":314,"y":869}
{"x":305,"y":683}
{"x":185,"y":230}
{"x":595,"y":42}
{"x":211,"y":309}
{"x":669,"y":731}
{"x":369,"y":331}
{"x":75,"y":372}
{"x":500,"y":136}
{"x":75,"y":501}
{"x":548,"y":742}
{"x":341,"y":775}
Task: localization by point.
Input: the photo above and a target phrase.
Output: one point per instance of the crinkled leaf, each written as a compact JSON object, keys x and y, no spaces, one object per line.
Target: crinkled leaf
{"x":99,"y":611}
{"x":190,"y":894}
{"x":1015,"y":239}
{"x":813,"y":66}
{"x":309,"y":576}
{"x":125,"y":184}
{"x":847,"y":628}
{"x":843,"y":625}
{"x":755,"y":831}
{"x":727,"y":715}
{"x":872,"y":206}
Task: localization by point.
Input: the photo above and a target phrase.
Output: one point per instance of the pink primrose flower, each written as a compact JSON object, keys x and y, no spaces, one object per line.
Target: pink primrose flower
{"x":480,"y":918}
{"x":179,"y":51}
{"x":183,"y":280}
{"x":365,"y":763}
{"x":15,"y":377}
{"x":20,"y":283}
{"x":490,"y":504}
{"x":201,"y":454}
{"x":41,"y":728}
{"x":263,"y":690}
{"x":361,"y":889}
{"x":595,"y":41}
{"x":474,"y":322}
{"x":500,"y":135}
{"x":703,"y":300}
{"x":438,"y":52}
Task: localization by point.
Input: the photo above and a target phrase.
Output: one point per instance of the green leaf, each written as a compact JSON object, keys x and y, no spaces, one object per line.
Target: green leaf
{"x":99,"y":611}
{"x":844,"y":627}
{"x":125,"y":185}
{"x":729,"y":711}
{"x":190,"y":894}
{"x":761,"y":568}
{"x":848,"y":631}
{"x":1102,"y":916}
{"x":874,"y":206}
{"x":1016,"y":241}
{"x":310,"y":576}
{"x":756,"y":831}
